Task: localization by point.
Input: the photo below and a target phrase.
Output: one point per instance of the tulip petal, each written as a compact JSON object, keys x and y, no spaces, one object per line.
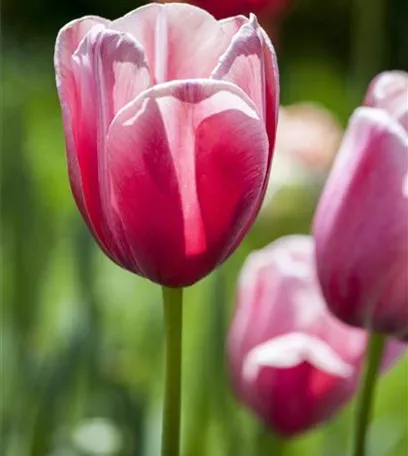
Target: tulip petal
{"x":364,"y":281}
{"x":67,"y":42}
{"x":243,"y":64}
{"x":108,"y":70}
{"x":231,"y":25}
{"x":272,"y":88}
{"x":291,"y":350}
{"x":188,"y":161}
{"x":389,"y":91}
{"x":175,"y":52}
{"x":250,"y":63}
{"x":111,"y":70}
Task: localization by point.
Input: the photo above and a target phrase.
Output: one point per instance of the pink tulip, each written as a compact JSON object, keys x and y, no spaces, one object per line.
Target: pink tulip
{"x":292,"y":362}
{"x":169,"y":120}
{"x":361,"y":223}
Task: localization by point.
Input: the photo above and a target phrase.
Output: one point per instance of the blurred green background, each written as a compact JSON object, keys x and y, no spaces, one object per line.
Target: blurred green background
{"x":81,"y":339}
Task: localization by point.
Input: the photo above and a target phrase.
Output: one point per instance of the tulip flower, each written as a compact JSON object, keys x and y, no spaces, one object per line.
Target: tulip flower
{"x":361,"y":223}
{"x":291,"y":361}
{"x":169,"y":119}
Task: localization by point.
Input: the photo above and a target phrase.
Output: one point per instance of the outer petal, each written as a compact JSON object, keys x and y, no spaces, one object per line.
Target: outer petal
{"x":231,"y":25}
{"x":188,"y":161}
{"x":389,"y":91}
{"x":361,"y":226}
{"x":272,"y":88}
{"x":108,"y":70}
{"x":309,"y":389}
{"x":174,"y":51}
{"x":243,"y":64}
{"x":67,"y":42}
{"x":250,"y":63}
{"x":251,"y":53}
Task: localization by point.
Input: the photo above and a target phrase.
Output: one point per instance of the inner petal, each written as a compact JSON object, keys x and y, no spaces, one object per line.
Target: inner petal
{"x":180,"y":40}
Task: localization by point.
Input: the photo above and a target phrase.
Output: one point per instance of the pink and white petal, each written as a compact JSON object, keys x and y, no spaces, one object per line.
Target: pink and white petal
{"x":389,"y":91}
{"x":296,"y":396}
{"x":113,"y":66}
{"x":243,"y":64}
{"x":109,"y":71}
{"x":291,"y":350}
{"x":272,"y":90}
{"x":263,"y":86}
{"x":141,"y":24}
{"x":176,"y":51}
{"x":231,"y":25}
{"x":68,"y":40}
{"x":182,"y":192}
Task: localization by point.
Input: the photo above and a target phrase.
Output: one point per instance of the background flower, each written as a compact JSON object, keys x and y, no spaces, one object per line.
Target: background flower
{"x":291,"y":361}
{"x":361,"y":223}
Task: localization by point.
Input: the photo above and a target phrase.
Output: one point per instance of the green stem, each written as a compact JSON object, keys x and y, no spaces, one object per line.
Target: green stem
{"x":374,"y":355}
{"x":173,"y":317}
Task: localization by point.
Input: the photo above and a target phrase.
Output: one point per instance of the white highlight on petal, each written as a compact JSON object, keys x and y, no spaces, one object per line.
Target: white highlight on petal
{"x":291,"y":350}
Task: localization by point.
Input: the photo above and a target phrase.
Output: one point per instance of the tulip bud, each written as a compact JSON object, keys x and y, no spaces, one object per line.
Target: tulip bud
{"x":361,"y":223}
{"x":291,"y":361}
{"x":169,"y":119}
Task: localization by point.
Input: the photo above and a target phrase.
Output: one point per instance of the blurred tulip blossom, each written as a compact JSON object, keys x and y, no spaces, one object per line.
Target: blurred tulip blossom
{"x":307,"y":140}
{"x":169,"y":118}
{"x":361,"y":223}
{"x":291,"y":361}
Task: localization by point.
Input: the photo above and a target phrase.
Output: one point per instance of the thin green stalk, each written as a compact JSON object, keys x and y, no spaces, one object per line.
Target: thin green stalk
{"x":365,"y":399}
{"x":173,"y":319}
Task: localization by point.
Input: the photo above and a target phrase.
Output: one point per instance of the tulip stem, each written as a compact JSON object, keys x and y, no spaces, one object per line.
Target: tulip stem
{"x":173,"y":318}
{"x":374,"y":354}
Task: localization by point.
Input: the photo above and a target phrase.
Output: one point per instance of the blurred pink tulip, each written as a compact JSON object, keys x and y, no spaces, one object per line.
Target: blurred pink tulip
{"x":307,"y":139}
{"x":361,"y":223}
{"x":291,"y":361}
{"x":169,"y":118}
{"x":309,"y":135}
